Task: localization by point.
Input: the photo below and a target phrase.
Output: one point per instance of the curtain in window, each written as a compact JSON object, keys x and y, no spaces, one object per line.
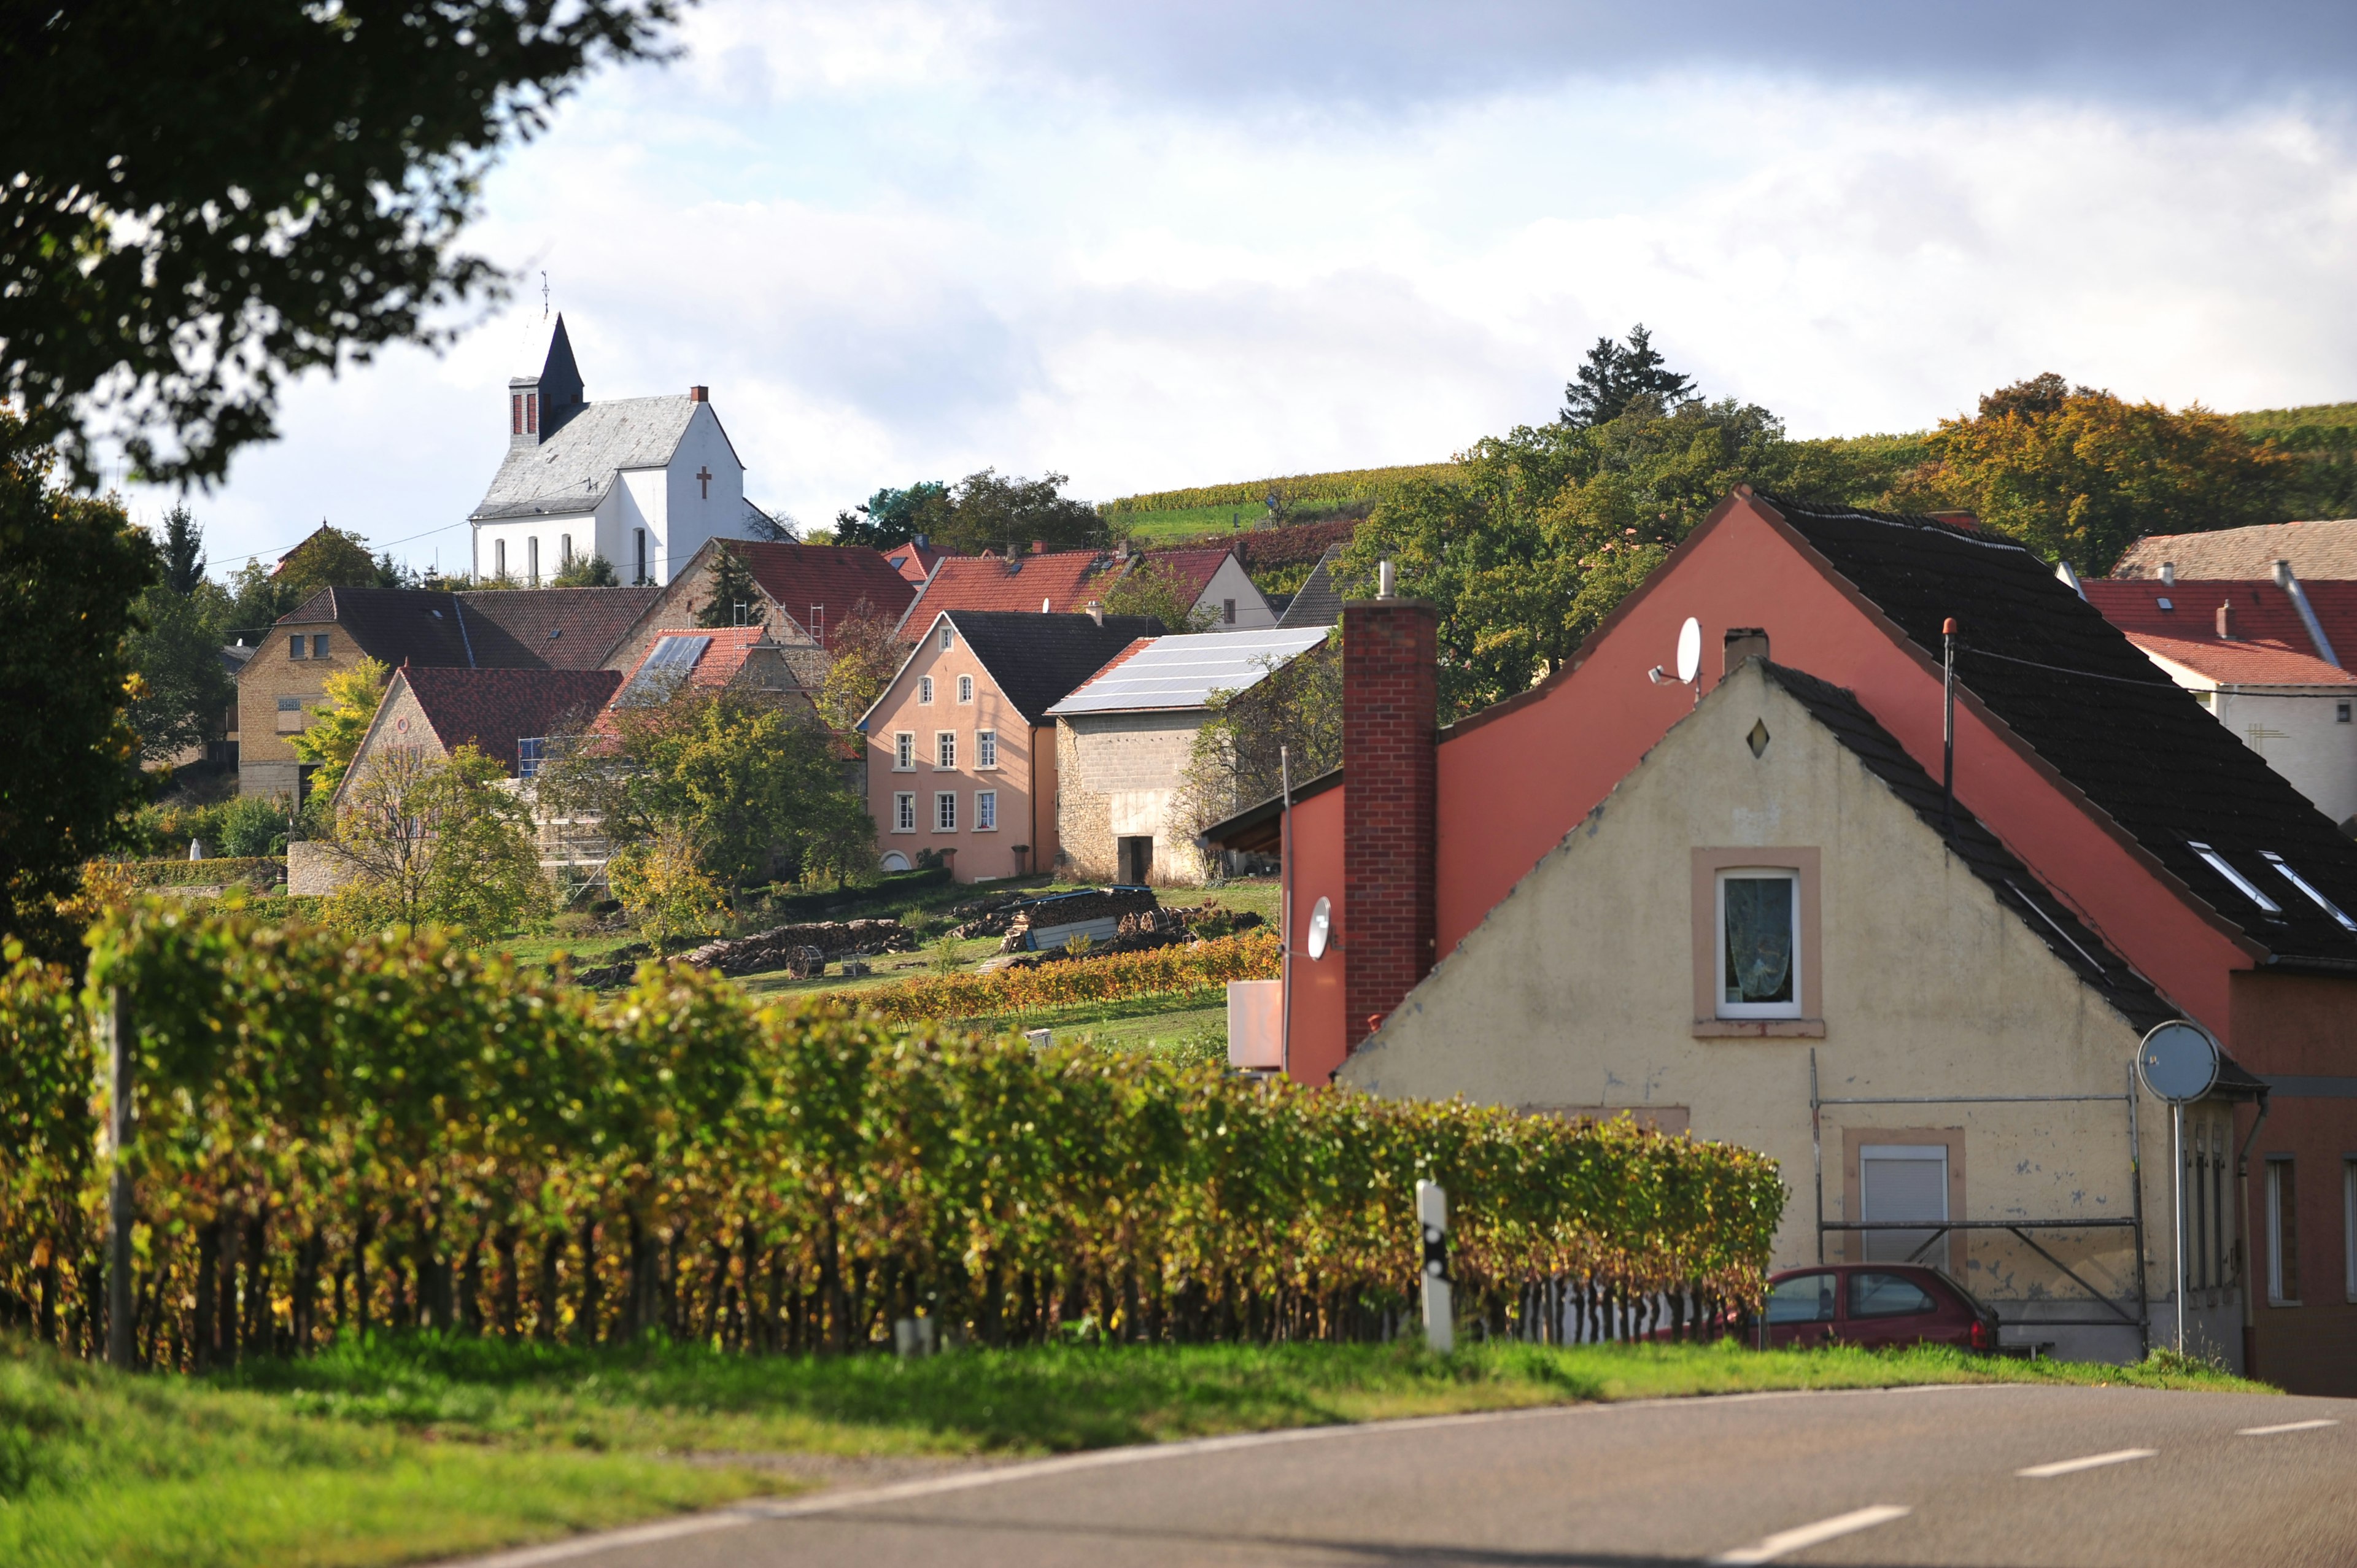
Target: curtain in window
{"x":1759,"y":939}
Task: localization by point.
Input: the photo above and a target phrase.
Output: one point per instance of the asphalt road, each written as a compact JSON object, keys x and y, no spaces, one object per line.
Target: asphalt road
{"x":2023,"y":1477}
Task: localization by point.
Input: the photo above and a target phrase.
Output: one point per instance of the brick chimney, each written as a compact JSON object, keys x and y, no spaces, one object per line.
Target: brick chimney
{"x":699,"y":394}
{"x":1390,"y":729}
{"x":2226,"y":620}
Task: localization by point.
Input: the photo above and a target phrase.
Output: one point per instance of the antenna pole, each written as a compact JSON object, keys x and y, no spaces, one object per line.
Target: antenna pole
{"x":1948,"y":727}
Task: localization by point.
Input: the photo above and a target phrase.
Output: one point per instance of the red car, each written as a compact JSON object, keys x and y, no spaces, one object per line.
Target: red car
{"x":1875,"y":1303}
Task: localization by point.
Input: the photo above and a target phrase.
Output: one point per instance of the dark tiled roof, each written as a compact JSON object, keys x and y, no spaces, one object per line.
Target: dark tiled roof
{"x":558,"y":628}
{"x":826,"y":583}
{"x":413,"y":625}
{"x":2096,"y":710}
{"x":1038,"y":659}
{"x":508,"y":629}
{"x":491,"y":710}
{"x":2080,"y":948}
{"x":1320,"y":602}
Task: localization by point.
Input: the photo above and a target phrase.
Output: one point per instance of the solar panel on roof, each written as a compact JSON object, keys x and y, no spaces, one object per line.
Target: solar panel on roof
{"x":1184,"y":671}
{"x":670,"y":662}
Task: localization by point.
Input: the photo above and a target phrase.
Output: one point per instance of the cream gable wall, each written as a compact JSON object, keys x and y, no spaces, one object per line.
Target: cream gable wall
{"x":1577,"y":991}
{"x":1229,"y":582}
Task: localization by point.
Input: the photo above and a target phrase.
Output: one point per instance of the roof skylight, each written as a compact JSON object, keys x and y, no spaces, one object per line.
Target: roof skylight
{"x":2248,"y":888}
{"x":2318,"y":900}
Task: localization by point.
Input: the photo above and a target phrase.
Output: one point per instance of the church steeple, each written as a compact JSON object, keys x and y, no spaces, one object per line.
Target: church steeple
{"x":539,"y":405}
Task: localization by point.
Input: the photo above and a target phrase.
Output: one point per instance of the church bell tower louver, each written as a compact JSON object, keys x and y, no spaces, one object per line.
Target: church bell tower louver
{"x":538,"y":405}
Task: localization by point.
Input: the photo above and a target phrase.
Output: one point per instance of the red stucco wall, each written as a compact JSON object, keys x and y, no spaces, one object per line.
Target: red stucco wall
{"x":1315,"y":863}
{"x":1512,"y":782}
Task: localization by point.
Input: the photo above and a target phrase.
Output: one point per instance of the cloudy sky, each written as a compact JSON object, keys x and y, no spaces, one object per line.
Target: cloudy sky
{"x":1156,"y":244}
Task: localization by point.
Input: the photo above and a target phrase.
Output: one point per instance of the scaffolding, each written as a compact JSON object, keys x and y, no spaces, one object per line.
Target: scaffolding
{"x":2117,"y":1314}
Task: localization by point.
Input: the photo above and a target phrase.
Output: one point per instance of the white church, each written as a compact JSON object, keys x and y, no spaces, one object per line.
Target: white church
{"x":642,"y":481}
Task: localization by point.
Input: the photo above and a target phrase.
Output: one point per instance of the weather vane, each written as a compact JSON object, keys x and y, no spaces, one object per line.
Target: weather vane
{"x":544,"y":297}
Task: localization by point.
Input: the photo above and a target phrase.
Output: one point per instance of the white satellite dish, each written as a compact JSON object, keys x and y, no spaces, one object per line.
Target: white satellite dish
{"x":1689,"y":649}
{"x":1322,"y":921}
{"x":2178,"y":1061}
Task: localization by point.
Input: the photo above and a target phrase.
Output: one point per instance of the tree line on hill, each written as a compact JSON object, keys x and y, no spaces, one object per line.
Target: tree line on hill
{"x":1538,"y":533}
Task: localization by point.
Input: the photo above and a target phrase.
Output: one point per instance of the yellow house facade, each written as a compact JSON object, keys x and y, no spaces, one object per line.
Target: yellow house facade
{"x":1770,"y":934}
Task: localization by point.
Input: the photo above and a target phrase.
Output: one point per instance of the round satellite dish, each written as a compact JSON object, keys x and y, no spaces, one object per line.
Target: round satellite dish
{"x":1322,"y":921}
{"x":1689,"y":649}
{"x":2178,"y":1061}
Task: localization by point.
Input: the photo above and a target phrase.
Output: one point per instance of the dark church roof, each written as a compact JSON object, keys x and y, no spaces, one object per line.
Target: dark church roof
{"x":2089,"y":702}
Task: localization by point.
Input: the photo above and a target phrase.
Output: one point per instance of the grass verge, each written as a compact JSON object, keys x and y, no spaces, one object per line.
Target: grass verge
{"x":98,"y":1468}
{"x":418,"y":1447}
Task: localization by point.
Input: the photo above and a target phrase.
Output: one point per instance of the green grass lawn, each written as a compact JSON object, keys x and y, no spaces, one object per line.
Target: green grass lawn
{"x":420,"y":1447}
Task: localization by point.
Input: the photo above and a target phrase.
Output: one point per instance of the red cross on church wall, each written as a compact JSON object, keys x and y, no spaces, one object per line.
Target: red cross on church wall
{"x":704,"y":477}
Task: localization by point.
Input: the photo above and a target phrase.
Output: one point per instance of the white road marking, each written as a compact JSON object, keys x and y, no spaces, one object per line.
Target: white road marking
{"x":2093,"y":1461}
{"x":1809,"y":1535}
{"x":734,"y":1516}
{"x":2286,"y":1427}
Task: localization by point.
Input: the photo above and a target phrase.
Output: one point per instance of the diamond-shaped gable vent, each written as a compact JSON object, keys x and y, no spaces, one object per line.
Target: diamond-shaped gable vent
{"x":1758,"y":740}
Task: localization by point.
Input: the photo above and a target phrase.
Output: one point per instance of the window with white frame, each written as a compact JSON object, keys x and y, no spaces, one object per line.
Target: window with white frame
{"x":2283,"y":1232}
{"x":1759,"y":943}
{"x":904,"y":751}
{"x":945,"y":748}
{"x":924,"y":689}
{"x":986,"y":810}
{"x":949,"y":637}
{"x":965,"y":688}
{"x":986,"y":749}
{"x":904,"y":812}
{"x":945,"y":811}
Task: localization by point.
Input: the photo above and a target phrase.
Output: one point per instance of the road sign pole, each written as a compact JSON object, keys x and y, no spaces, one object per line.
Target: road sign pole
{"x":2176,"y":1185}
{"x":1439,"y":1311}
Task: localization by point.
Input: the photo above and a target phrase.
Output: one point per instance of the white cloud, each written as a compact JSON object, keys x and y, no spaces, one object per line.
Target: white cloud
{"x":892,"y":259}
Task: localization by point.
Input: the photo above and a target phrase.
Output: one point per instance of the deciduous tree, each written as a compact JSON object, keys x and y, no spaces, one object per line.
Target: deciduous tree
{"x":436,"y":841}
{"x":1152,"y":588}
{"x":2078,"y":474}
{"x":203,"y":198}
{"x":71,"y":570}
{"x":333,"y":738}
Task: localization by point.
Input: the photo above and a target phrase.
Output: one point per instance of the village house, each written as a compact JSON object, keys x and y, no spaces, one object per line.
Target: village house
{"x":1065,"y":582}
{"x":2264,"y":655}
{"x":1123,"y":741}
{"x":961,"y":747}
{"x":1626,"y":878}
{"x":642,"y":481}
{"x":914,"y":560}
{"x":803,"y":594}
{"x":285,"y":676}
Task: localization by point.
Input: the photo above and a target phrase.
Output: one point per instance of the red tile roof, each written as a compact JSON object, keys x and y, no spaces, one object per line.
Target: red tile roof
{"x":913,"y":561}
{"x":2261,"y":611}
{"x":1193,"y":569}
{"x":1064,"y":581}
{"x":491,"y":710}
{"x":2245,"y":662}
{"x":821,"y":586}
